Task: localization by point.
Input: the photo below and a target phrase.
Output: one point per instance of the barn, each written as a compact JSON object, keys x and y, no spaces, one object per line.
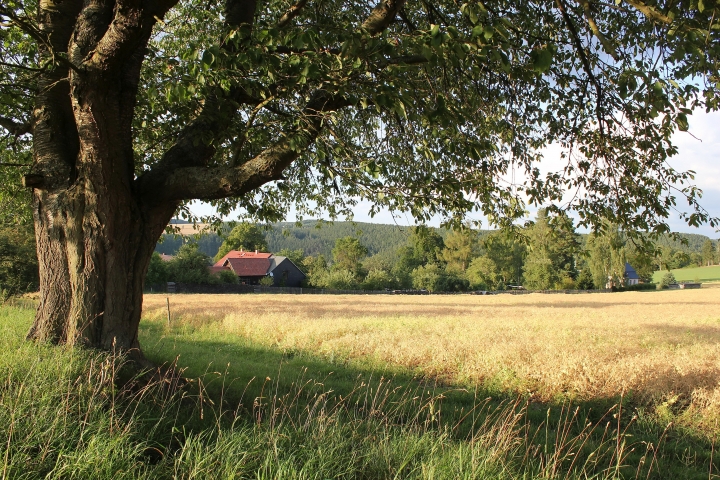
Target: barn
{"x":251,"y":267}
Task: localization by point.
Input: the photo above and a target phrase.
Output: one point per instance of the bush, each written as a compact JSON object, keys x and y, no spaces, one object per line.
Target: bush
{"x":378,"y":280}
{"x":667,"y":280}
{"x":427,"y":278}
{"x":229,"y":277}
{"x":566,"y":283}
{"x":18,"y":261}
{"x":267,"y":281}
{"x":638,"y":288}
{"x":341,"y":280}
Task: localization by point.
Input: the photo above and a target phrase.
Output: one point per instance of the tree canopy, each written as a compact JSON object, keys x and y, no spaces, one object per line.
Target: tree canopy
{"x":245,"y":236}
{"x":322,"y":104}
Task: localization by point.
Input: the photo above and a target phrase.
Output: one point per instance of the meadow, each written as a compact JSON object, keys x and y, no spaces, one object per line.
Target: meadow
{"x":601,"y":386}
{"x":659,"y":349}
{"x":700,"y":274}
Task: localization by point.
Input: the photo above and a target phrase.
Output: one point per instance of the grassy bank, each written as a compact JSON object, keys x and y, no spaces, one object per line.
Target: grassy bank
{"x":701,"y":274}
{"x":257,"y":410}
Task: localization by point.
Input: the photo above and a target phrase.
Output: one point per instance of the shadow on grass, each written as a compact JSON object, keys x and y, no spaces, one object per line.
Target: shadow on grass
{"x":252,"y":383}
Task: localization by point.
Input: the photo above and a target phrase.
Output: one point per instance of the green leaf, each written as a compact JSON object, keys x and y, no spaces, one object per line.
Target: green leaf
{"x":542,"y":59}
{"x":682,"y":122}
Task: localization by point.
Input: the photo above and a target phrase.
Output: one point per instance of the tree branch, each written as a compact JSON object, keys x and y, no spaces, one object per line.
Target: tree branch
{"x":15,"y":128}
{"x":131,"y":25}
{"x":649,"y":11}
{"x":291,"y":13}
{"x":382,"y":16}
{"x":607,"y":44}
{"x":227,"y":181}
{"x":583,"y":58}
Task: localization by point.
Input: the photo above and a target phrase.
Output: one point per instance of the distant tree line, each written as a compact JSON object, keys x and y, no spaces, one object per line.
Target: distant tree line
{"x":547,"y":253}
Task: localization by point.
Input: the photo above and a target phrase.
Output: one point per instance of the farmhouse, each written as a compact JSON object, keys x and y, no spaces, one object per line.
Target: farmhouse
{"x":251,"y":267}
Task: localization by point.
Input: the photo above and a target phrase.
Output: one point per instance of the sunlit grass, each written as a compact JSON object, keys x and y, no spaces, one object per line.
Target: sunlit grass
{"x":660,"y":349}
{"x":304,"y":387}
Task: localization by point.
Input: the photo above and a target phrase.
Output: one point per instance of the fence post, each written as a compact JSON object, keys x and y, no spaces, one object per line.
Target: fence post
{"x":167,"y":299}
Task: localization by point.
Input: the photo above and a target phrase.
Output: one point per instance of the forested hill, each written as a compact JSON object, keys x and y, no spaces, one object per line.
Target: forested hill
{"x":315,"y":238}
{"x":694,"y":242}
{"x":311,"y":236}
{"x":319,"y":238}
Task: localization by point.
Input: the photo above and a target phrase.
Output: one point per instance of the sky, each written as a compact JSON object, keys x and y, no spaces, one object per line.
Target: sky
{"x":698,"y":150}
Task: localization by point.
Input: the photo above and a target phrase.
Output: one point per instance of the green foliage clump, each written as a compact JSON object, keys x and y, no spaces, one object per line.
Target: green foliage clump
{"x":552,"y":248}
{"x":227,"y":277}
{"x":377,"y":279}
{"x":266,"y":281}
{"x":348,"y":255}
{"x":190,"y":265}
{"x":245,"y":236}
{"x":482,"y":274}
{"x":339,"y":279}
{"x":18,"y":260}
{"x":158,"y":270}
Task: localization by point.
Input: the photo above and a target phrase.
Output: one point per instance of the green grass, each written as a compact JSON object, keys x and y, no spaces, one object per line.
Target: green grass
{"x":702,"y":274}
{"x":252,"y":412}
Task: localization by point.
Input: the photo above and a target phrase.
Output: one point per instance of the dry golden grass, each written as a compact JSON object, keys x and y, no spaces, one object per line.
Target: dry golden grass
{"x":662,"y":347}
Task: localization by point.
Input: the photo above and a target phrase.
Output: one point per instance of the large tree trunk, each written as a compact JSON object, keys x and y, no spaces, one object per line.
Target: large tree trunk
{"x":94,"y":248}
{"x":95,"y":237}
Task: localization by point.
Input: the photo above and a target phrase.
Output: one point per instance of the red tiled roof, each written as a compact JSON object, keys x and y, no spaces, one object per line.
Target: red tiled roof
{"x":166,"y":258}
{"x":241,"y":254}
{"x":249,"y":267}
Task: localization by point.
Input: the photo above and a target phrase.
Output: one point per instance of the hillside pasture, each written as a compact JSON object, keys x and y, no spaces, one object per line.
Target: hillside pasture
{"x":702,"y":274}
{"x":660,"y":350}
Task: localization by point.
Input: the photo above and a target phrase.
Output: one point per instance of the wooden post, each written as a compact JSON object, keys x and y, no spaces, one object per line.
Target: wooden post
{"x":167,"y":299}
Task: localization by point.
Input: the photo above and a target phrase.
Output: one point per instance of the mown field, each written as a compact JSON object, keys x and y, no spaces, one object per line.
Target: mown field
{"x":602,"y":386}
{"x":702,"y":274}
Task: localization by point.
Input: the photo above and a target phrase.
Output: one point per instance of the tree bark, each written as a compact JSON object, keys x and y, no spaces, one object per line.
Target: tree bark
{"x":94,"y":237}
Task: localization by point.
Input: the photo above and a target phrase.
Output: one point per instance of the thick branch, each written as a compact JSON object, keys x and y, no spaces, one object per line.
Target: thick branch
{"x":131,"y":26}
{"x":382,"y":16}
{"x":649,"y":12}
{"x":607,"y":44}
{"x":226,"y":181}
{"x":16,"y":129}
